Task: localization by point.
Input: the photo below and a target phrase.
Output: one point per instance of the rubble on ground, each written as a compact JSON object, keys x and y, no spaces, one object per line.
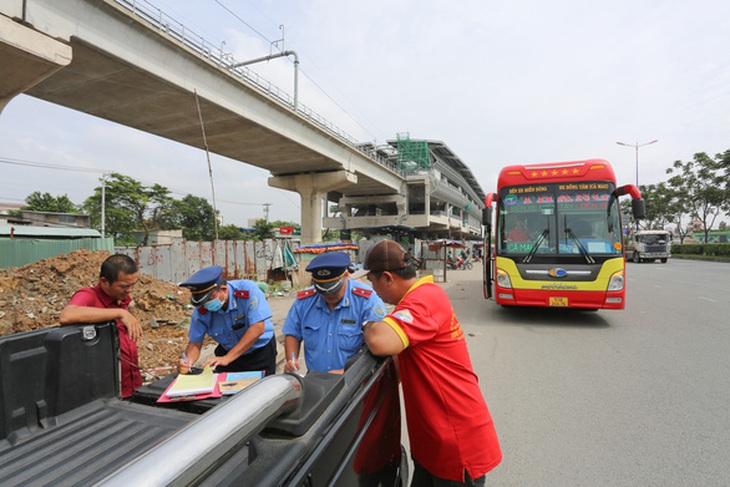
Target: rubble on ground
{"x":33,"y":296}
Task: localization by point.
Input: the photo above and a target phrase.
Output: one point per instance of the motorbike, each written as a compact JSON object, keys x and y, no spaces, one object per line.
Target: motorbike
{"x":459,"y":263}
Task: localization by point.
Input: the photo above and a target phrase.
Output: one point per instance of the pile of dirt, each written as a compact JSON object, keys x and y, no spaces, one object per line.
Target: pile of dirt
{"x":33,"y":296}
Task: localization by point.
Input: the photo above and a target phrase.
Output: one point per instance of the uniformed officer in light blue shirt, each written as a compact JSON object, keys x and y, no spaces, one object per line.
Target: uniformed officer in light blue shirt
{"x":328,"y":316}
{"x":237,"y":316}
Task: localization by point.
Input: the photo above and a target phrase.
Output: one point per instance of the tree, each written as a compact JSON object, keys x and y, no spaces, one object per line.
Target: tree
{"x":230,"y":232}
{"x":698,"y":186}
{"x":195,"y":216}
{"x":723,"y":165}
{"x":37,"y":201}
{"x":658,"y":198}
{"x":262,"y":230}
{"x":130,"y":206}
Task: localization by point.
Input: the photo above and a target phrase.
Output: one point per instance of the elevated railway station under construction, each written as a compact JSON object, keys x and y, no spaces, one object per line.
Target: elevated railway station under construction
{"x":442,"y":198}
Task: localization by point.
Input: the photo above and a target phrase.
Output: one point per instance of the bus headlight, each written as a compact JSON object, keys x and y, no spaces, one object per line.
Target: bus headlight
{"x":503,"y":279}
{"x":616,"y":283}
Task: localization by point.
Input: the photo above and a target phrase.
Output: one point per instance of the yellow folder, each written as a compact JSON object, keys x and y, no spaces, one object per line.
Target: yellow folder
{"x":190,"y":385}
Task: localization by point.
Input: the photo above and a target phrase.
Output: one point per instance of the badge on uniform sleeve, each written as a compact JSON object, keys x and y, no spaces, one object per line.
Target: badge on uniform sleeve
{"x":404,"y":315}
{"x":253,"y":304}
{"x":379,"y":311}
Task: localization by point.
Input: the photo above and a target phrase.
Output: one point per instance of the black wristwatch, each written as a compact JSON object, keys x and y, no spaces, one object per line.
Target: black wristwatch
{"x":366,"y":324}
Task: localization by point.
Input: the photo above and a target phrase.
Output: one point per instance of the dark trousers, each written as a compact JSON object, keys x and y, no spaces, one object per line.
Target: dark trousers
{"x":263,"y":358}
{"x":424,"y":478}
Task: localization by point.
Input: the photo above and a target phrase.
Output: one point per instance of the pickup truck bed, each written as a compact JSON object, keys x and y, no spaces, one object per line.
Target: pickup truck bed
{"x":63,"y":424}
{"x":87,"y":444}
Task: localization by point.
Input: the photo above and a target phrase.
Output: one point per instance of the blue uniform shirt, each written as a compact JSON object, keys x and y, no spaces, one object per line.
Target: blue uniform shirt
{"x":331,"y":337}
{"x":246,"y":305}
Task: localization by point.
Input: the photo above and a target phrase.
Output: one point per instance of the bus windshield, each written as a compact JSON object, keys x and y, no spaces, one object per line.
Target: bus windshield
{"x":575,"y":218}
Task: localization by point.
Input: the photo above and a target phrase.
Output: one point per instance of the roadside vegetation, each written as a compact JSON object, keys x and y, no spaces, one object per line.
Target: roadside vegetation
{"x":132,"y":207}
{"x":694,"y":198}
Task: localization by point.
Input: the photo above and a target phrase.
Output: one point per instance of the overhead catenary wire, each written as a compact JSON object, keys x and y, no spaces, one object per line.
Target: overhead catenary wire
{"x":317,"y":85}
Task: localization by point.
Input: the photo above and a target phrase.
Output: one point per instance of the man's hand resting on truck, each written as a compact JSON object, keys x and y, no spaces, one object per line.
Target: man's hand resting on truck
{"x":134,"y":328}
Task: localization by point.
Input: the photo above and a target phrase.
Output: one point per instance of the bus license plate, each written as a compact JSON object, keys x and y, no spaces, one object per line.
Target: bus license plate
{"x":559,"y":302}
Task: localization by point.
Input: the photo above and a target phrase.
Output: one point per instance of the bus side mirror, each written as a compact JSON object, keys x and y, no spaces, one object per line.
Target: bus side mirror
{"x":638,"y":208}
{"x":487,"y":216}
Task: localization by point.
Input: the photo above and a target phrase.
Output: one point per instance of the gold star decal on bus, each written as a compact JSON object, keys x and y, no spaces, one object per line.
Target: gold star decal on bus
{"x":534,"y":174}
{"x":544,"y":173}
{"x":575,"y":171}
{"x":555,"y":173}
{"x":565,"y":171}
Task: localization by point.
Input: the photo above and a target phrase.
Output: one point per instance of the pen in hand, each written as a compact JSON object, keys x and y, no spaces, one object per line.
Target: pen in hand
{"x":293,"y":363}
{"x":185,"y":361}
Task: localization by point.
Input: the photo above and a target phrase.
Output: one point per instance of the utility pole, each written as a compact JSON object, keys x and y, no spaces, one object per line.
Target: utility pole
{"x":103,"y":202}
{"x":266,"y":211}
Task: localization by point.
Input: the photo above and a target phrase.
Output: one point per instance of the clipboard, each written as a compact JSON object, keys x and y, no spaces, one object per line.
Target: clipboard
{"x":233,"y":382}
{"x":192,"y":387}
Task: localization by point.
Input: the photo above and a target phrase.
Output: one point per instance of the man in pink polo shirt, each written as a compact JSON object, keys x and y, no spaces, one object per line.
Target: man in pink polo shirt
{"x":109,"y":300}
{"x":452,"y":437}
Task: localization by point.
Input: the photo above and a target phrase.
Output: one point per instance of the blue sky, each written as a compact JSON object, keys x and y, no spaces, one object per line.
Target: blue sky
{"x":500,"y":82}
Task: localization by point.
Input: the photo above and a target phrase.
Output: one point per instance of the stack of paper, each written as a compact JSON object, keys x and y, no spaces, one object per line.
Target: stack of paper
{"x":191,"y":385}
{"x":237,"y":381}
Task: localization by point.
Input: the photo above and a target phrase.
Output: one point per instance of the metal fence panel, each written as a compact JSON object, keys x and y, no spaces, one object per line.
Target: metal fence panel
{"x":241,"y":259}
{"x":17,"y":252}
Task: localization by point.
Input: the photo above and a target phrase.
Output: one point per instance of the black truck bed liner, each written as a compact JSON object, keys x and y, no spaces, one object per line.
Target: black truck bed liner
{"x":104,"y":433}
{"x":61,"y":419}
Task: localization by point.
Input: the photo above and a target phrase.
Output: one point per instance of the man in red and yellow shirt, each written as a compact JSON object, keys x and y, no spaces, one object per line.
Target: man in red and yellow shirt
{"x":452,"y":437}
{"x":109,"y":300}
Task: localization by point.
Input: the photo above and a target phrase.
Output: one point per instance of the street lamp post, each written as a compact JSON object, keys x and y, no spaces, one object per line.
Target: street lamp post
{"x":636,"y":147}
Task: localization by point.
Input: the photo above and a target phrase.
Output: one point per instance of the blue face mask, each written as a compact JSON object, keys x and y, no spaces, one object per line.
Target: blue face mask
{"x":213,"y":305}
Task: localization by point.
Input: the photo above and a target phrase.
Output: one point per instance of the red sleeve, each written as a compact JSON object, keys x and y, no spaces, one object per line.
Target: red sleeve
{"x":415,"y":318}
{"x":84,"y":297}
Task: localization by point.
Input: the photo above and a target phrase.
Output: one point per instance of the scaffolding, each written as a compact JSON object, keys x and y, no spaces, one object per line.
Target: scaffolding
{"x":412,"y":154}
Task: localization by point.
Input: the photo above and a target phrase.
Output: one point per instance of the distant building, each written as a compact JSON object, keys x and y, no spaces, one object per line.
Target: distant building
{"x":159,"y":237}
{"x":443,"y":198}
{"x":45,"y":233}
{"x":42,"y":218}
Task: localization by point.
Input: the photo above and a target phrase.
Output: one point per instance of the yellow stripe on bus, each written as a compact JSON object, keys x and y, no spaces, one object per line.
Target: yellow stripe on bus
{"x":608,"y":268}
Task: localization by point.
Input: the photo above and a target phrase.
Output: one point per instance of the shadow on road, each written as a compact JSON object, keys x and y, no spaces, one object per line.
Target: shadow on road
{"x":551,"y":317}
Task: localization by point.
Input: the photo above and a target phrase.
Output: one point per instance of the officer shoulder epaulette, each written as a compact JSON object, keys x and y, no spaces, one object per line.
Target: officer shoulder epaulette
{"x":202,"y":310}
{"x":306,"y":293}
{"x":239,"y":293}
{"x":362,"y":292}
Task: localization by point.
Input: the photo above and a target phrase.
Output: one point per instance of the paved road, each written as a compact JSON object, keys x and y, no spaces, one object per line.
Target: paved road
{"x":638,"y":397}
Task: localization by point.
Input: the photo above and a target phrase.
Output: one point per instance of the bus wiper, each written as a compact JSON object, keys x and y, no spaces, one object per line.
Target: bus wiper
{"x":543,"y":236}
{"x":582,"y":249}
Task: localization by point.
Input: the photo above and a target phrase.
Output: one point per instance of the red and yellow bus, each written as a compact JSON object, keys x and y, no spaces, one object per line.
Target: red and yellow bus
{"x":558,"y":236}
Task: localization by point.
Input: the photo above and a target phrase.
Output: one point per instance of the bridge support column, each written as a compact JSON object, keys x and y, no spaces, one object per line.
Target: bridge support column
{"x":312,"y":187}
{"x":28,"y":57}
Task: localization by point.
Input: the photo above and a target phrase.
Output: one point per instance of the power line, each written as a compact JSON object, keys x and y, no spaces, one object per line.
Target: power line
{"x":243,"y":21}
{"x":320,"y":88}
{"x":46,"y":165}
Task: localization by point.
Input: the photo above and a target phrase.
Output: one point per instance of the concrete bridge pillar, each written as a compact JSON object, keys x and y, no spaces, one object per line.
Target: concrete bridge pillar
{"x":33,"y":57}
{"x":312,"y":187}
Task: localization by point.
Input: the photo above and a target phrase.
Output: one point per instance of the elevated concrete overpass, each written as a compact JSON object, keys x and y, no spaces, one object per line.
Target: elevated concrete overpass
{"x":135,"y":66}
{"x":114,"y":61}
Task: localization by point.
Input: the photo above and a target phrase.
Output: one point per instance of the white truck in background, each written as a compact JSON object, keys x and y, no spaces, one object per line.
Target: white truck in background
{"x":650,"y":245}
